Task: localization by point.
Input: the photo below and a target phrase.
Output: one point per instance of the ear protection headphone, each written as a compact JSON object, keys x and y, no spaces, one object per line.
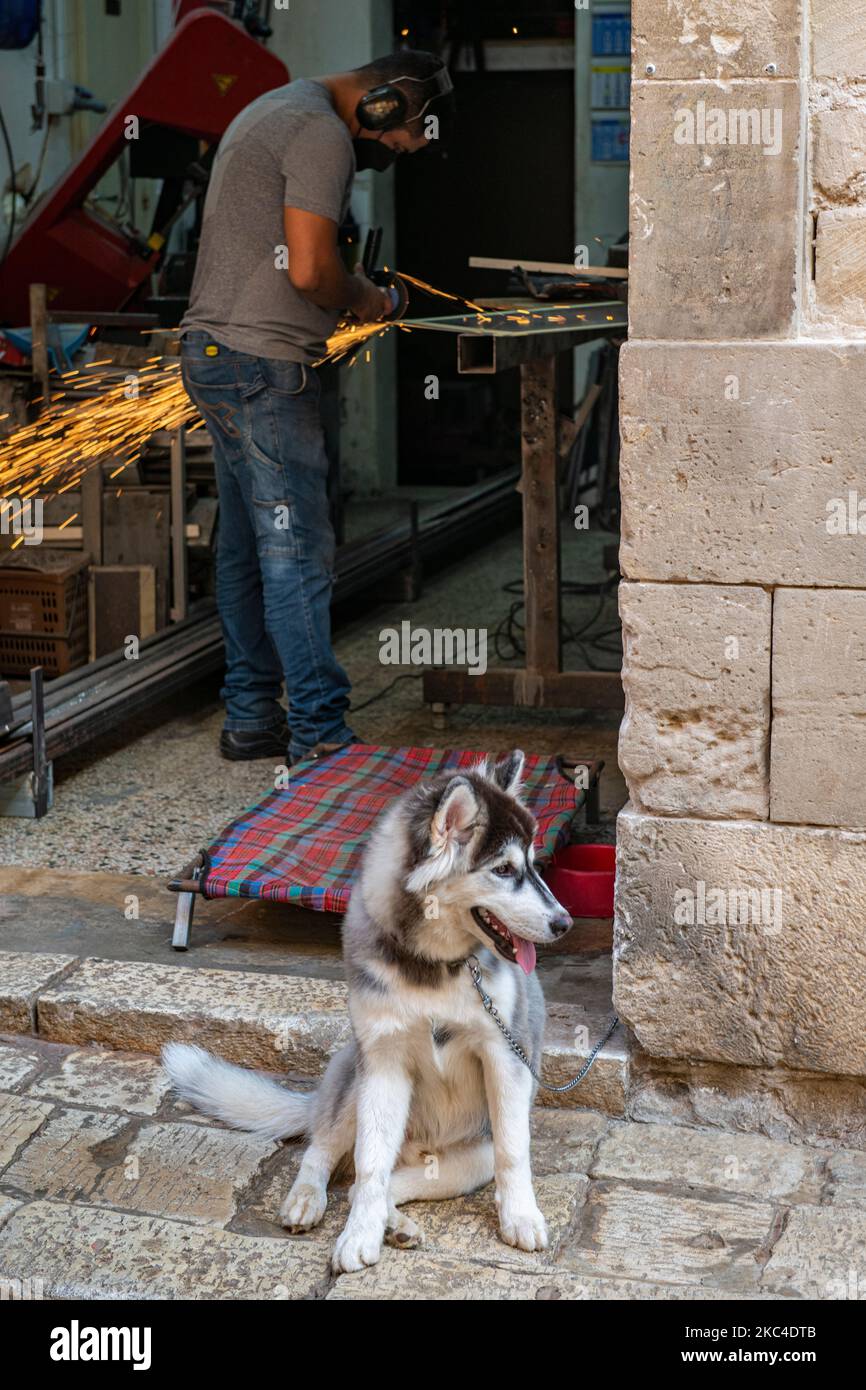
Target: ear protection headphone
{"x":386,"y":107}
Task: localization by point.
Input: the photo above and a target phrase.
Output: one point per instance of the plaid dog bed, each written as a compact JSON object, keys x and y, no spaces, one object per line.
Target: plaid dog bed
{"x":302,"y":845}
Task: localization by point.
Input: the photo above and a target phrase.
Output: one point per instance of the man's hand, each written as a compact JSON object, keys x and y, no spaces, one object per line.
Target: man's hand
{"x":373,"y":303}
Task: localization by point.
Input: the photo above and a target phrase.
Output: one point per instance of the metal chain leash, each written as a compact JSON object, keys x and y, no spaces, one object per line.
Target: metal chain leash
{"x":475,"y":972}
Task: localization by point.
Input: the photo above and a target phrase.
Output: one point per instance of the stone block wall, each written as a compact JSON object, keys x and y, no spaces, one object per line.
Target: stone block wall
{"x":740,"y":934}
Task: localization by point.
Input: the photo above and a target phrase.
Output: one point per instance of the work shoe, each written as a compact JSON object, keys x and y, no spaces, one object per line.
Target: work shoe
{"x":322,"y":750}
{"x":247,"y":745}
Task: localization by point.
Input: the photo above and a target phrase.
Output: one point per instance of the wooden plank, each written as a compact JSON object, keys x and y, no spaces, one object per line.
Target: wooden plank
{"x":179,"y":571}
{"x":540,"y":514}
{"x":39,"y":345}
{"x":91,"y":514}
{"x":122,"y":604}
{"x":570,"y":428}
{"x":586,"y":406}
{"x":137,"y":532}
{"x":502,"y":686}
{"x":607,"y":272}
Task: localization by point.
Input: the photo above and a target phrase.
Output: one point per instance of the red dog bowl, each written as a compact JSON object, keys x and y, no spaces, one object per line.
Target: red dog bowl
{"x":582,"y":878}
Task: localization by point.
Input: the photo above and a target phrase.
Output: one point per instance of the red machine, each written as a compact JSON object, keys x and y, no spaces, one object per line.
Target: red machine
{"x":209,"y":70}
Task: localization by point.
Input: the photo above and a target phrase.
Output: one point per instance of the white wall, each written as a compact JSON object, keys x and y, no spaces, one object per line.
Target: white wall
{"x":601,"y":190}
{"x":17,"y":94}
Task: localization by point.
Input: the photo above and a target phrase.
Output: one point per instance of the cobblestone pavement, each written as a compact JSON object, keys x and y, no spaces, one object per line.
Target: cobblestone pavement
{"x":109,"y":1188}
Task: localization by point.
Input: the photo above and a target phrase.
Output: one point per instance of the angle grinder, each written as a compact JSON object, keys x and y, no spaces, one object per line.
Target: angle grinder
{"x":385,"y":279}
{"x":390,"y":281}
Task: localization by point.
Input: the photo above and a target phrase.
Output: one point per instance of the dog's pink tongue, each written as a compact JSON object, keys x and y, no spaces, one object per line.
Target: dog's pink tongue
{"x":525,"y":955}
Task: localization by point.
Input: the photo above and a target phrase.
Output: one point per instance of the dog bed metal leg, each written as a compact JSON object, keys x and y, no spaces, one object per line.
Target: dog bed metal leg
{"x":186,"y":886}
{"x":183,"y":920}
{"x":593,"y":802}
{"x":439,"y":716}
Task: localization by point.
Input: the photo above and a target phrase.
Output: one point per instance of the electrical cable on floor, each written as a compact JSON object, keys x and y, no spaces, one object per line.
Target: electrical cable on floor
{"x":406,"y":676}
{"x":11,"y":228}
{"x":510,"y":631}
{"x":508,"y":639}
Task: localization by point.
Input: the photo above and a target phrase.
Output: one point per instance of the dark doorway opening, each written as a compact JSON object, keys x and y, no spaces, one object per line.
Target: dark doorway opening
{"x":505,"y":187}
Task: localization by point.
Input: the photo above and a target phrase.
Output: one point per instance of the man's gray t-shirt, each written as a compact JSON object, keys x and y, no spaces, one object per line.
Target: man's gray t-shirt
{"x":289,"y":148}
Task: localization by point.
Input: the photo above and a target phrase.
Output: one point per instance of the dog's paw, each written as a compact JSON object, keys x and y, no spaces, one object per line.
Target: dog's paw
{"x":402,"y":1232}
{"x":356,"y":1249}
{"x":527,"y":1230}
{"x":303,"y":1208}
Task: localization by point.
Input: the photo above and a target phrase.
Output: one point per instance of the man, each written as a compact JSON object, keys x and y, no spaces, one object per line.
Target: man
{"x":268,"y":291}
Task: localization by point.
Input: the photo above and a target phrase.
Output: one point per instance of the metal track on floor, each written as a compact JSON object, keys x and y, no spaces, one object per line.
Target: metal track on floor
{"x":91,"y":701}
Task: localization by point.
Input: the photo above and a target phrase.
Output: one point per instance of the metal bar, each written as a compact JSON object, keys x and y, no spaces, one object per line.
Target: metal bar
{"x":188,"y":880}
{"x":97,"y":319}
{"x":558,"y":690}
{"x":179,"y":581}
{"x":6,"y":715}
{"x":183,"y":911}
{"x":200,"y":440}
{"x":186,"y":907}
{"x":125,"y":675}
{"x":484,"y":355}
{"x":356,"y":562}
{"x":593,"y":802}
{"x":85,"y":704}
{"x":540,"y":516}
{"x":608,"y":272}
{"x":65,"y":688}
{"x":518,"y":322}
{"x":91,"y":722}
{"x":448,"y":524}
{"x":117,"y":675}
{"x":39,"y":776}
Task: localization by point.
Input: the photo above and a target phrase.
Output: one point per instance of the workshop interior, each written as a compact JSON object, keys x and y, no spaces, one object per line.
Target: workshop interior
{"x":513,"y":286}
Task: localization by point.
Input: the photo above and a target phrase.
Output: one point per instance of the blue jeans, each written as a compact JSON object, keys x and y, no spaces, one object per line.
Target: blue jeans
{"x":275,"y":548}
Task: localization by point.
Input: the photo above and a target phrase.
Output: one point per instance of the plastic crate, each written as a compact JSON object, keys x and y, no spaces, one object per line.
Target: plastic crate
{"x":43,"y":611}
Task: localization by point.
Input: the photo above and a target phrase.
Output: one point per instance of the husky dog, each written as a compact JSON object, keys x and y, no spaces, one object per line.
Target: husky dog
{"x":428,"y":1096}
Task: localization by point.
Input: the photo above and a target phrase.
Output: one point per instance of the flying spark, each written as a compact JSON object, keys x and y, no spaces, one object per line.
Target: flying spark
{"x":114,"y":419}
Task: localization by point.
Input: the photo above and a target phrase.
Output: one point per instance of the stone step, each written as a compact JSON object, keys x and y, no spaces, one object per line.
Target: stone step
{"x":288,"y":1023}
{"x":90,"y":1252}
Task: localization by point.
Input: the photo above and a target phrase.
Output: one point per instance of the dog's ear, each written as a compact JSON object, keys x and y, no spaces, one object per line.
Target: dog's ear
{"x":454,"y":818}
{"x":450,"y":828}
{"x":508,"y":772}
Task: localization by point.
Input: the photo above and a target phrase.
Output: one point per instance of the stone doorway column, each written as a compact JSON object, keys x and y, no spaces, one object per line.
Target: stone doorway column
{"x":740,"y":933}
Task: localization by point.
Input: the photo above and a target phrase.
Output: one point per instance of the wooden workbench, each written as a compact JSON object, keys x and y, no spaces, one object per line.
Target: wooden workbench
{"x":482,"y":349}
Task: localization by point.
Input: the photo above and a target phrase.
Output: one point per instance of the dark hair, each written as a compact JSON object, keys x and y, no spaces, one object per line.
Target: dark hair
{"x":413,"y":63}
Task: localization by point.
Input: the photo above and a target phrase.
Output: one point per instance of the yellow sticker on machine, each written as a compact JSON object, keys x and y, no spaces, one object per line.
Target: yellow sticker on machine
{"x":224,"y":81}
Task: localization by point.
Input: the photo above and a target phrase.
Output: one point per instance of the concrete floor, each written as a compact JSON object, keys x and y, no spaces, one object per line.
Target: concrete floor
{"x":158,"y":790}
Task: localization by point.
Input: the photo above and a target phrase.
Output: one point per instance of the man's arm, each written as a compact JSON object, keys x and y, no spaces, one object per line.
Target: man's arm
{"x":317,"y":272}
